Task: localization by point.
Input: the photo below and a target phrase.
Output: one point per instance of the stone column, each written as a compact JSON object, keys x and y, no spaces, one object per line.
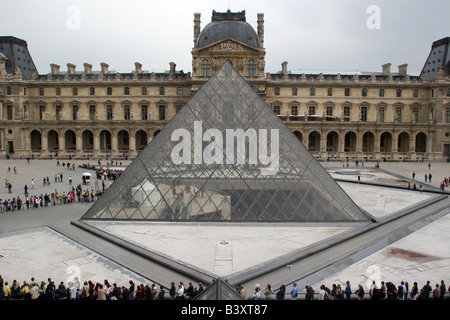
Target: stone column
{"x":44,"y":142}
{"x":78,"y":143}
{"x":132,"y":143}
{"x":114,"y":142}
{"x":96,"y":142}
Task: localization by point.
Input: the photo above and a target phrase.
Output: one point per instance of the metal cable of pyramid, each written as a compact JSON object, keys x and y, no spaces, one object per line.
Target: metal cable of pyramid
{"x":226,"y":157}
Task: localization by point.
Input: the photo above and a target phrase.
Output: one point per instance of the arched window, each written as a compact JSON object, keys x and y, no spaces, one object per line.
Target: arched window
{"x":251,"y":68}
{"x":205,"y":68}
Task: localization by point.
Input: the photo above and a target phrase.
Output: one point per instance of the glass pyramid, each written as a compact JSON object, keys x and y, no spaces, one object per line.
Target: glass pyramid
{"x":226,"y":157}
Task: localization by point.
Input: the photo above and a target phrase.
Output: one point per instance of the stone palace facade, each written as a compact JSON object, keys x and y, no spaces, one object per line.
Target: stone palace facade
{"x":337,"y":115}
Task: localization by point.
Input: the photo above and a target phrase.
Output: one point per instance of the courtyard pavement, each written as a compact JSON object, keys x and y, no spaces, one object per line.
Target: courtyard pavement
{"x":42,"y":252}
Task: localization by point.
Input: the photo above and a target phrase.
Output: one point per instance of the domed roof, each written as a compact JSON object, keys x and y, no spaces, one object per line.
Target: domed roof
{"x":220,"y":30}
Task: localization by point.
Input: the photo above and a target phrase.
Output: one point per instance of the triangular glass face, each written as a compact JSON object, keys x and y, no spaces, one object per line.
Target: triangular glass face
{"x":226,"y":157}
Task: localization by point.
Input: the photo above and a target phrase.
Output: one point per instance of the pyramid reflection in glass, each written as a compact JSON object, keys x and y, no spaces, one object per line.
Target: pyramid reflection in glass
{"x":195,"y":170}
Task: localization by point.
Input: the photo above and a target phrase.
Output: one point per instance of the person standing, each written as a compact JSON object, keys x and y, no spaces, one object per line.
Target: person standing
{"x":348,"y":290}
{"x":243,"y":292}
{"x":268,"y":292}
{"x":401,"y":291}
{"x":281,"y":292}
{"x":172,"y":291}
{"x":427,"y":290}
{"x":414,"y":291}
{"x":443,"y":290}
{"x":360,"y":292}
{"x":6,"y":291}
{"x":294,"y":292}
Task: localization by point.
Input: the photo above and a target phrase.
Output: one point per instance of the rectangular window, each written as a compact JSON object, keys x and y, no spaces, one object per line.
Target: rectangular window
{"x":311,"y":113}
{"x":75,"y":91}
{"x":330,"y":92}
{"x":364,"y":92}
{"x":416,"y":93}
{"x":144,"y":112}
{"x":294,"y":113}
{"x":144,"y":91}
{"x":180,"y":91}
{"x":9,"y":112}
{"x":58,"y":91}
{"x":109,"y":112}
{"x":346,"y":113}
{"x":448,"y":92}
{"x":381,"y":92}
{"x":161,"y":91}
{"x":8,"y":91}
{"x":92,"y":91}
{"x":162,"y":112}
{"x":347,"y":92}
{"x":126,"y":91}
{"x":294,"y":91}
{"x":277,"y":110}
{"x":109,"y":91}
{"x":92,"y":112}
{"x":363,"y":113}
{"x":75,"y":112}
{"x":41,"y":91}
{"x":398,"y":114}
{"x":179,"y":107}
{"x":399,"y":93}
{"x":126,"y":112}
{"x":58,"y":115}
{"x":312,"y":91}
{"x":329,"y":113}
{"x":277,"y":91}
{"x":415,"y":112}
{"x":381,"y":111}
{"x":447,"y":115}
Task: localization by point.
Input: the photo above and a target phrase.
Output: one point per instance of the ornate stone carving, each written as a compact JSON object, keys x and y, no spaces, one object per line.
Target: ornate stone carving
{"x":228,"y":46}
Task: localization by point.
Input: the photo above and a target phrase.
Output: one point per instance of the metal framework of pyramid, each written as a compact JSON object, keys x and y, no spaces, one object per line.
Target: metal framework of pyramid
{"x":214,"y":184}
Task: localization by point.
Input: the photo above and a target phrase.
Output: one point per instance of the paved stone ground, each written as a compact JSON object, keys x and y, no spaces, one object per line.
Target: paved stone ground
{"x":18,"y":230}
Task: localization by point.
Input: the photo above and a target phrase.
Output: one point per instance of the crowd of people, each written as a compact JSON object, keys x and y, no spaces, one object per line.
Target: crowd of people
{"x":104,"y":290}
{"x":52,"y":198}
{"x":377,"y":291}
{"x":91,"y":290}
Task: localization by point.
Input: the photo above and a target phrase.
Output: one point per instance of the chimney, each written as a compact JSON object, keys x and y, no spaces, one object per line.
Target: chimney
{"x":55,"y":68}
{"x":261,"y":29}
{"x":172,"y":67}
{"x":71,"y":68}
{"x":402,"y":69}
{"x":138,"y":67}
{"x":196,"y":27}
{"x":284,"y":68}
{"x":87,"y":68}
{"x":104,"y":67}
{"x":386,"y":69}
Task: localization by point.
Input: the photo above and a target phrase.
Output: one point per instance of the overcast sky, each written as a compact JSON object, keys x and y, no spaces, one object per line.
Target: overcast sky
{"x":310,"y":35}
